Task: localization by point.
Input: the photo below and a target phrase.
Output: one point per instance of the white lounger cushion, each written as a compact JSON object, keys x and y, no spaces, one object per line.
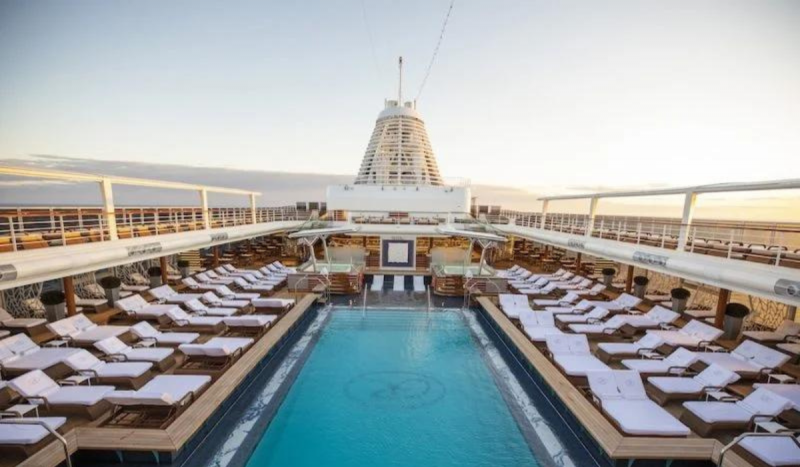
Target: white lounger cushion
{"x":713,"y":376}
{"x":251,"y":321}
{"x":197,"y":307}
{"x":163,"y":390}
{"x":648,"y":341}
{"x":579,"y":365}
{"x":540,"y":333}
{"x":18,"y":434}
{"x":566,"y":299}
{"x":83,"y":360}
{"x":39,"y":360}
{"x":789,"y":391}
{"x":773,"y":450}
{"x":144,"y":330}
{"x":113,"y":346}
{"x":216,"y":347}
{"x":212,"y":299}
{"x":36,"y":383}
{"x":273,"y":302}
{"x":181,"y":318}
{"x":679,"y":359}
{"x":759,"y":402}
{"x":595,"y":314}
{"x":749,"y":356}
{"x":690,"y":335}
{"x":644,"y":417}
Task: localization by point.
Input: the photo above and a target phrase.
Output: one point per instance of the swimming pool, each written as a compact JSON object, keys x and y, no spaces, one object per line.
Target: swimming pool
{"x":396,"y":388}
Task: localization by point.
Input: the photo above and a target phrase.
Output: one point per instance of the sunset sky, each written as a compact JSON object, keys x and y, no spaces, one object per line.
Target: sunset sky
{"x":536,"y":96}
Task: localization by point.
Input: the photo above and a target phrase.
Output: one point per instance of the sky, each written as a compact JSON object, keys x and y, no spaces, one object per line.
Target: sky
{"x":535,"y":96}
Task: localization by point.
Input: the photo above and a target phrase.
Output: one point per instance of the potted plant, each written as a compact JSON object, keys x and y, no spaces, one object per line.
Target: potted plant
{"x":640,"y":286}
{"x":735,"y":314}
{"x":155,"y":276}
{"x":183,"y":266}
{"x":111,"y":285}
{"x":608,"y":276}
{"x":54,"y":306}
{"x":679,"y":298}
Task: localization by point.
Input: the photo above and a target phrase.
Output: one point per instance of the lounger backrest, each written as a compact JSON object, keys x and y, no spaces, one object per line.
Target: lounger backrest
{"x":649,"y":341}
{"x":224,"y":290}
{"x":63,"y":328}
{"x":506,"y":300}
{"x":545,"y":318}
{"x":747,"y":350}
{"x":788,"y":328}
{"x":598,"y":288}
{"x":701,"y":330}
{"x":83,"y":360}
{"x":584,"y":305}
{"x":240,"y":282}
{"x":630,"y":384}
{"x":566,"y":276}
{"x":764,"y":402}
{"x":111,"y":346}
{"x":578,"y":344}
{"x":34,"y":383}
{"x":195,"y":305}
{"x":190,"y":282}
{"x":584,"y":283}
{"x":144,"y":330}
{"x":558,"y":344}
{"x":540,"y":282}
{"x":6,"y":354}
{"x":229,"y":267}
{"x":628,"y":301}
{"x":82,"y":323}
{"x":202,"y":277}
{"x":177,"y":314}
{"x":662,"y":315}
{"x":528,"y":319}
{"x":162,"y":292}
{"x":548,"y":288}
{"x":615,"y":322}
{"x":598,"y":313}
{"x":570,"y":297}
{"x":771,"y":358}
{"x":603,"y":384}
{"x":716,"y":376}
{"x":210,"y":273}
{"x":20,"y":344}
{"x":211,"y":297}
{"x":560,"y":273}
{"x":140,"y":398}
{"x":681,"y":357}
{"x":131,"y":304}
{"x":222,"y":271}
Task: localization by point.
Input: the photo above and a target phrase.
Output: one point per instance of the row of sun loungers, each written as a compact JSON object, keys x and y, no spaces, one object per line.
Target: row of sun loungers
{"x":644,"y":361}
{"x":398,"y":284}
{"x":142,"y":375}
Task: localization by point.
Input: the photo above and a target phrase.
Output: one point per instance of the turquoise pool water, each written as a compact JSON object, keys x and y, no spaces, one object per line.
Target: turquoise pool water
{"x":394,"y":388}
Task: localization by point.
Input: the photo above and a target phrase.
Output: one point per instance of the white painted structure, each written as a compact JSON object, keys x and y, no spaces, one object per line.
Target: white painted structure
{"x":411,"y":199}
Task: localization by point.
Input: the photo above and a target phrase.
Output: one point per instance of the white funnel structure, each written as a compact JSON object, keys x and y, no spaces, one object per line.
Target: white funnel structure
{"x":394,"y":160}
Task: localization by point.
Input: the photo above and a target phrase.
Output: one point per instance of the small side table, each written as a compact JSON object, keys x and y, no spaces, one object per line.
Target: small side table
{"x":56,"y":343}
{"x":770,"y":427}
{"x":781,"y":379}
{"x":20,"y":410}
{"x":721,"y":396}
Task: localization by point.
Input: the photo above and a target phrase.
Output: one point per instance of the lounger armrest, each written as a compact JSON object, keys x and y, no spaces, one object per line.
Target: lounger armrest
{"x":759,"y":418}
{"x":609,"y":331}
{"x":146,"y":342}
{"x":88,"y":372}
{"x":644,"y":350}
{"x":187,"y":399}
{"x":200,"y":312}
{"x":181,"y":321}
{"x":792,"y":339}
{"x":762,"y":373}
{"x":594,"y":320}
{"x":39,"y":400}
{"x":118,"y":357}
{"x":704,"y":344}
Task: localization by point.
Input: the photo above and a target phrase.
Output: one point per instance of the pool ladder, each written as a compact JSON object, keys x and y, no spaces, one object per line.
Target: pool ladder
{"x":364,"y":303}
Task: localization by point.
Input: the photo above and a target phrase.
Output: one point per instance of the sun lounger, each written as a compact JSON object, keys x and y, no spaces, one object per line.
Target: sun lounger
{"x":675,"y":363}
{"x":622,"y":398}
{"x":789,"y":391}
{"x":786,"y":329}
{"x":128,"y":374}
{"x":749,"y":359}
{"x":512,"y":305}
{"x":165,"y":294}
{"x":700,"y":314}
{"x":273,"y":304}
{"x":579,"y":285}
{"x":621,"y":303}
{"x":419,"y":284}
{"x":616,"y":324}
{"x":93,"y":304}
{"x":205,"y":278}
{"x":565,"y":301}
{"x":538,"y":325}
{"x":664,"y":389}
{"x":120,"y":351}
{"x":213,"y":357}
{"x":207,"y":324}
{"x":200,"y":309}
{"x":223,"y":271}
{"x":572,"y":355}
{"x":137,"y":307}
{"x":212,"y":299}
{"x":594,"y":290}
{"x":257,"y":287}
{"x":696,"y":334}
{"x":707,"y":417}
{"x":582,"y":307}
{"x":145,"y":332}
{"x":764,"y":450}
{"x":399,"y":283}
{"x":27,"y":439}
{"x":612,"y":351}
{"x":546,"y":290}
{"x":29,"y":326}
{"x":194,"y":285}
{"x":282,"y":268}
{"x":596,"y":315}
{"x":377,"y":283}
{"x":231,"y":269}
{"x":84,"y":401}
{"x":157,"y":403}
{"x":81,"y":331}
{"x":19,"y":354}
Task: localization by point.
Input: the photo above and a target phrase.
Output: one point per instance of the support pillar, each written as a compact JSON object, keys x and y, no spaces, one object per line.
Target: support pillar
{"x":722,"y":302}
{"x":545,"y":205}
{"x":578,"y":263}
{"x":69,"y":294}
{"x":686,"y":220}
{"x":252,"y":208}
{"x":164,"y":274}
{"x":204,"y":209}
{"x":629,"y":280}
{"x":592,"y":214}
{"x":791,"y":312}
{"x":215,"y":250}
{"x":109,"y":209}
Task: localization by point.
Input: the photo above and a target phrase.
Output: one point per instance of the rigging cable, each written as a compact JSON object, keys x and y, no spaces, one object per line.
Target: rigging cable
{"x":371,"y":41}
{"x":436,"y":49}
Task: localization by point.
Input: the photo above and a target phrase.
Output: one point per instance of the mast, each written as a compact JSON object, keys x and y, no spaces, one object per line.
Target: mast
{"x":400,"y":123}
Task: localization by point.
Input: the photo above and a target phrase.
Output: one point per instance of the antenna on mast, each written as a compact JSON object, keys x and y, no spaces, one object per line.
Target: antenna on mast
{"x":400,"y":83}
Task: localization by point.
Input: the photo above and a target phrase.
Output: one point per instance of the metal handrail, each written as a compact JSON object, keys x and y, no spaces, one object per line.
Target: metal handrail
{"x":41,"y":423}
{"x":743,"y":436}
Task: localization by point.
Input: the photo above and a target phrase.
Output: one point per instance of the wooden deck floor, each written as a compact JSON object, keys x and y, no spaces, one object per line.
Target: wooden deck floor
{"x":611,"y":441}
{"x":173,"y":438}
